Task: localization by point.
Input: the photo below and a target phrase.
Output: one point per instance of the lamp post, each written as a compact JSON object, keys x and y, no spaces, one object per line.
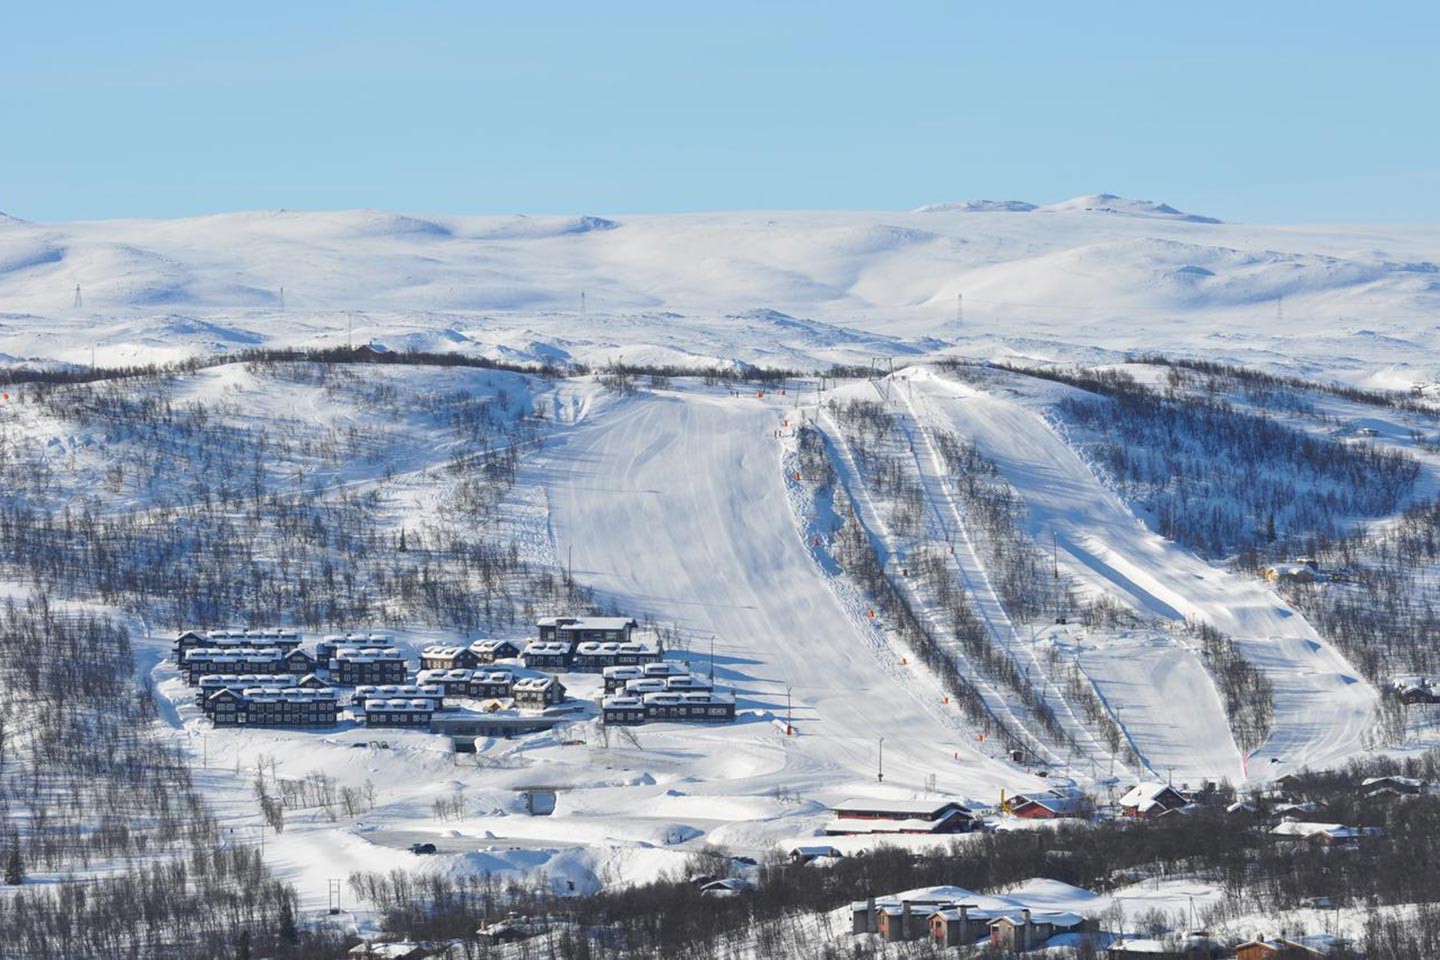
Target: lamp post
{"x":789,"y":716}
{"x":880,"y":769}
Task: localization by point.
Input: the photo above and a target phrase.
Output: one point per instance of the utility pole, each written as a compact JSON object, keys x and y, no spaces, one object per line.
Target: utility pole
{"x":789,"y":715}
{"x":282,"y":299}
{"x":712,"y":659}
{"x":959,"y":309}
{"x":880,"y":768}
{"x":79,"y":301}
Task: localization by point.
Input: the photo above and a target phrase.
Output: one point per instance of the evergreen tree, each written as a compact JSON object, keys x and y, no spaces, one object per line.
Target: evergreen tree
{"x":289,"y":932}
{"x":14,"y":865}
{"x":242,"y":949}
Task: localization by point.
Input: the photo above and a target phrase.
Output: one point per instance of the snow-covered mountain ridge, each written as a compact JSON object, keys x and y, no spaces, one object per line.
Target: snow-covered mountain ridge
{"x":1085,"y":279}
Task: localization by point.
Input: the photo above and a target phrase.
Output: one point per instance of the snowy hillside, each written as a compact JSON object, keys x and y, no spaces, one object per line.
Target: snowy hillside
{"x":1085,"y":278}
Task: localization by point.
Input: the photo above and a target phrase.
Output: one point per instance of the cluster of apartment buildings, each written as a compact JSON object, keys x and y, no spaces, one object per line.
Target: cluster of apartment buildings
{"x":660,"y":691}
{"x":268,"y":678}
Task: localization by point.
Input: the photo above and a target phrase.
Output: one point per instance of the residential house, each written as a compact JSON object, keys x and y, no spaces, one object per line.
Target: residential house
{"x":870,"y":816}
{"x":441,"y":657}
{"x":210,"y":683}
{"x":1146,"y":801}
{"x":1284,"y":948}
{"x":206,"y":660}
{"x":1191,"y":946}
{"x":1327,"y":834}
{"x":956,"y":926}
{"x":537,"y":693}
{"x":617,"y":677}
{"x":810,"y":853}
{"x":620,"y":710}
{"x":406,"y":691}
{"x":1031,"y":929}
{"x":273,"y":707}
{"x":398,"y":712}
{"x":325,"y":649}
{"x":552,"y":655}
{"x":593,"y":656}
{"x":1050,"y":805}
{"x":574,"y":630}
{"x":490,"y":651}
{"x":1393,"y":787}
{"x":353,"y":666}
{"x":187,"y":640}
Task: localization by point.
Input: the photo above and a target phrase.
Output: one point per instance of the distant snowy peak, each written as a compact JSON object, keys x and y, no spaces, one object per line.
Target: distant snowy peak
{"x":1109,"y":203}
{"x":977,"y":206}
{"x":1091,"y":203}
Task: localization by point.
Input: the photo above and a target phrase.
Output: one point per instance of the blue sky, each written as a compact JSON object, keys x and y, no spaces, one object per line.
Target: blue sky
{"x":1261,"y":111}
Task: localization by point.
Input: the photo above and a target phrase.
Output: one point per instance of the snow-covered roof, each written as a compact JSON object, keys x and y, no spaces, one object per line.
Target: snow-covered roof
{"x":928,"y":807}
{"x":547,"y":647}
{"x":288,"y":694}
{"x":399,"y":705}
{"x":487,"y":646}
{"x":213,"y":655}
{"x":1410,"y":782}
{"x":1330,"y":831}
{"x":443,"y":674}
{"x":660,"y":668}
{"x":443,"y":650}
{"x":587,"y":623}
{"x":1146,"y":796}
{"x":621,"y":703}
{"x":368,"y":654}
{"x":613,"y":647}
{"x":693,"y":697}
{"x":860,"y":825}
{"x":428,"y":690}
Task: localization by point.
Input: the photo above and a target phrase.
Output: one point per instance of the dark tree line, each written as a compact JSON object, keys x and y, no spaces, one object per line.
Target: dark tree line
{"x":1220,"y":480}
{"x":784,"y":916}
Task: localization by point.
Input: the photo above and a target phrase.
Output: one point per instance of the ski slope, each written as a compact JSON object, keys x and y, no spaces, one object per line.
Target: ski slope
{"x":1322,"y":707}
{"x":675,"y":503}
